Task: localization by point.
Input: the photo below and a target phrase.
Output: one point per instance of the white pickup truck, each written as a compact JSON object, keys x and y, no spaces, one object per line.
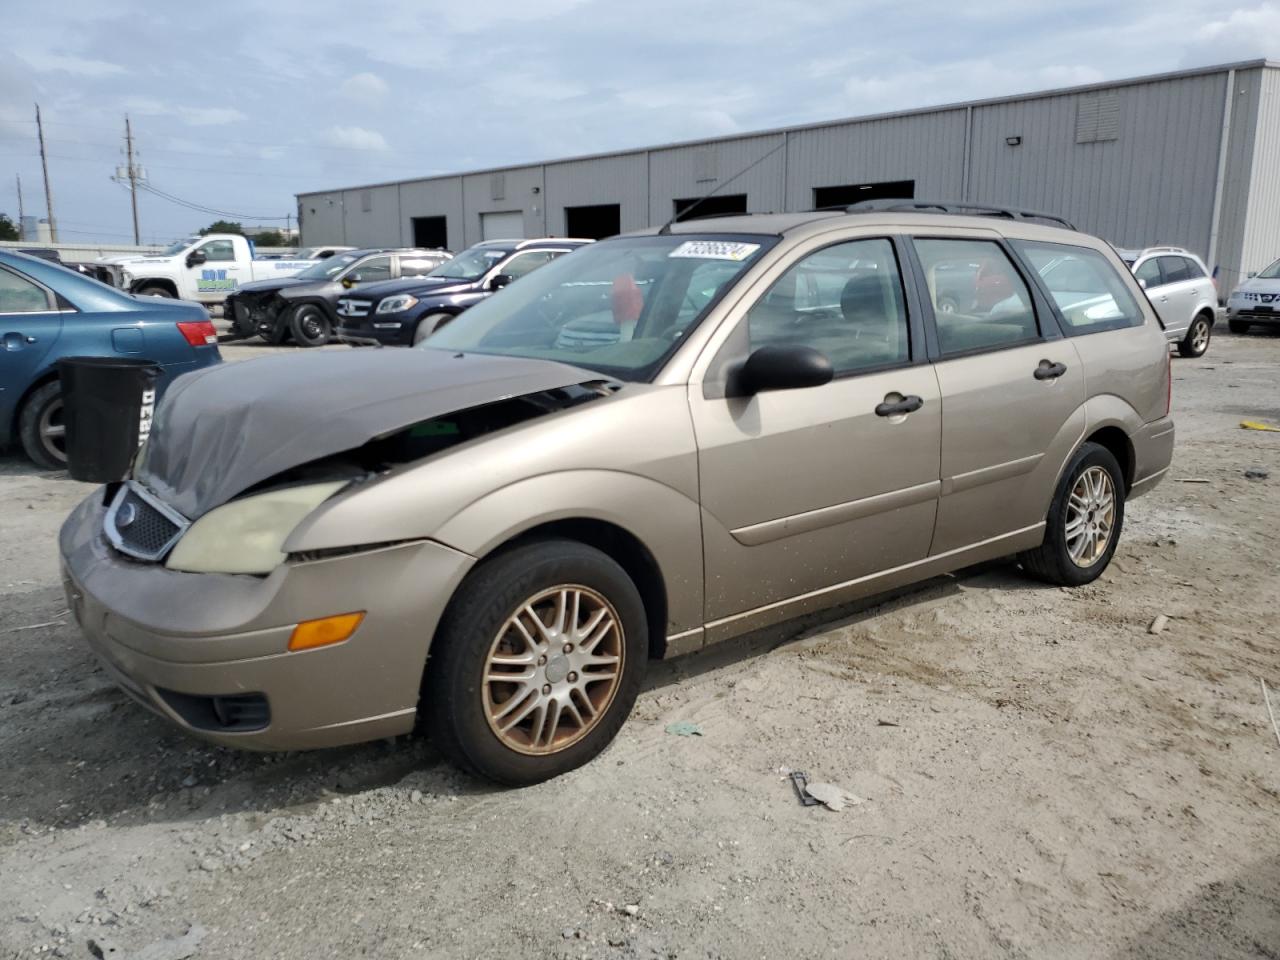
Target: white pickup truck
{"x":205,"y":269}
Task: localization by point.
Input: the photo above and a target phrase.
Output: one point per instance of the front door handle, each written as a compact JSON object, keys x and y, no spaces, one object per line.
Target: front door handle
{"x":896,"y":408}
{"x":1050,"y":371}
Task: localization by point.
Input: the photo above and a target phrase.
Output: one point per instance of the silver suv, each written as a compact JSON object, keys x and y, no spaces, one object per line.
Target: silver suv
{"x":1182,"y":292}
{"x":655,"y":443}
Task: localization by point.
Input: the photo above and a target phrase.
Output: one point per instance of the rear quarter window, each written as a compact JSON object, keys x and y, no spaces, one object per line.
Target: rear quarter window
{"x":1087,"y":289}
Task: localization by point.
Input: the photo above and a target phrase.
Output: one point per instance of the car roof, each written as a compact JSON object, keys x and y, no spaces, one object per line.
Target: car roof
{"x":799,"y":225}
{"x":515,"y":244}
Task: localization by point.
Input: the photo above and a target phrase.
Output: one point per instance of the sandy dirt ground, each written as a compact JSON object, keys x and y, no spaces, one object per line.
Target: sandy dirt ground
{"x":1042,"y":776}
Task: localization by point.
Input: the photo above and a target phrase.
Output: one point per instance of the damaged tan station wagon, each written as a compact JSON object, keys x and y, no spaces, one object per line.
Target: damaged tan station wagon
{"x":653,"y":444}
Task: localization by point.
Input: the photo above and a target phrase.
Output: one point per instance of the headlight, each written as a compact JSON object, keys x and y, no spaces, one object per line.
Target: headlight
{"x":395,"y":304}
{"x":246,"y":536}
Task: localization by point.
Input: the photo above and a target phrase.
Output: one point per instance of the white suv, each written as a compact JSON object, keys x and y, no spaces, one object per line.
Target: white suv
{"x":1179,"y":287}
{"x":1256,"y":302}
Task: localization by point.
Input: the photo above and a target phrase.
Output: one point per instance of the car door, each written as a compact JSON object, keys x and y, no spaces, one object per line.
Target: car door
{"x":1013,"y":392}
{"x":218,"y":273}
{"x":804,"y":491}
{"x":29,"y":324}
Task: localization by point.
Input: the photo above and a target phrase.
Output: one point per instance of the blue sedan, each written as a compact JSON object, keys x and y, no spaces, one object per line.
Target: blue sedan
{"x":48,"y":312}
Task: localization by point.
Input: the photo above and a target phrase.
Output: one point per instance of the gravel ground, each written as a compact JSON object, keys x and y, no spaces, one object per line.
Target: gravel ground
{"x":1042,"y":775}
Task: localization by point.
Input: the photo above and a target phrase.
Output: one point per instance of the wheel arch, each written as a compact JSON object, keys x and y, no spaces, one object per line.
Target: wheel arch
{"x":141,"y":283}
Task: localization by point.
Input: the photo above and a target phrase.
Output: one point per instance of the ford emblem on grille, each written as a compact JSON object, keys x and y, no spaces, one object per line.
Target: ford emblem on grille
{"x":126,"y":515}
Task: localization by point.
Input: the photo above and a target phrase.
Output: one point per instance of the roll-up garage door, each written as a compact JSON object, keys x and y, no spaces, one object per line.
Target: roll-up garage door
{"x":507,"y":225}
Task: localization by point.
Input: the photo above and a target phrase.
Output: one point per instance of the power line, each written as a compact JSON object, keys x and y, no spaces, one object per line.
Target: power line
{"x":149,"y":188}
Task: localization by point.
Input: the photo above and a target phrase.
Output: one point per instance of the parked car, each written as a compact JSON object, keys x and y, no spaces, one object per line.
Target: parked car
{"x":303,"y":306}
{"x":47,"y":312}
{"x":204,"y":269}
{"x":1256,"y":302}
{"x":497,"y":530}
{"x":405,"y":312}
{"x":320,"y":253}
{"x":1182,"y":292}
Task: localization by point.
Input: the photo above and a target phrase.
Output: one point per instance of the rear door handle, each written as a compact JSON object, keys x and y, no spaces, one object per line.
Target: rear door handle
{"x":1050,"y":371}
{"x":896,"y":408}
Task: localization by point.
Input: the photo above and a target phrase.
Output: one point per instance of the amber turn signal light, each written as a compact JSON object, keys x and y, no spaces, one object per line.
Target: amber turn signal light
{"x":325,"y":631}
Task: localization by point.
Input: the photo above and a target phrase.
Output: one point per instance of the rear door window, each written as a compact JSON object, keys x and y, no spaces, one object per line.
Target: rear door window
{"x":980,"y":302}
{"x":1194,"y":270}
{"x":1174,"y":269}
{"x":1090,"y":294}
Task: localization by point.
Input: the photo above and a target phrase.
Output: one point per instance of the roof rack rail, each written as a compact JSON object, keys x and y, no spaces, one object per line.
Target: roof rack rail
{"x":952,"y":206}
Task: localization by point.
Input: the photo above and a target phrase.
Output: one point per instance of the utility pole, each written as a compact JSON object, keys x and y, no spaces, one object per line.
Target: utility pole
{"x":133,"y":178}
{"x":44,"y":165}
{"x":22,"y":213}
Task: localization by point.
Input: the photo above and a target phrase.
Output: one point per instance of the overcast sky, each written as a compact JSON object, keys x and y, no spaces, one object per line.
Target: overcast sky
{"x":239,"y":105}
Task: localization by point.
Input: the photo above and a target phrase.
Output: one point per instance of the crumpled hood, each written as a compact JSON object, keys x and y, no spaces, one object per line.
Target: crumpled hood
{"x":220,"y":430}
{"x":277,"y":283}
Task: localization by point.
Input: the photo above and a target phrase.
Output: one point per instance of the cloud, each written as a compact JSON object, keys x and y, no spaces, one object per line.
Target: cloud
{"x":365,"y":88}
{"x":76,"y":66}
{"x":1243,"y":34}
{"x":356,"y":138}
{"x":191,"y":116}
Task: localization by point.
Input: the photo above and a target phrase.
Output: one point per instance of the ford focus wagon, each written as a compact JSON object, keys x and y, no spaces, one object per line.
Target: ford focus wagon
{"x":656,"y":443}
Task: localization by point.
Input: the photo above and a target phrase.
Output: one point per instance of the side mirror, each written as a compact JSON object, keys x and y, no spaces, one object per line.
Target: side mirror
{"x":500,"y":281}
{"x":782,"y":368}
{"x":196,"y":257}
{"x":1142,"y":283}
{"x":1252,"y":274}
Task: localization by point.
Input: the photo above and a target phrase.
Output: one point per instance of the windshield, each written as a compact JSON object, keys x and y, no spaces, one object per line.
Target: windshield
{"x":470,"y":264}
{"x":1272,"y":272}
{"x":176,"y":248}
{"x":617,"y":306}
{"x":328,"y":269}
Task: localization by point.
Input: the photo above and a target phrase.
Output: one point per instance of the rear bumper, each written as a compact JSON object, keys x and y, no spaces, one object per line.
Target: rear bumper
{"x":1152,"y":454}
{"x":176,"y":641}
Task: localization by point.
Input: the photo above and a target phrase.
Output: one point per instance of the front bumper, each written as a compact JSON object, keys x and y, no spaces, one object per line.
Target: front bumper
{"x":173,"y":639}
{"x":1245,"y":312}
{"x":390,"y":330}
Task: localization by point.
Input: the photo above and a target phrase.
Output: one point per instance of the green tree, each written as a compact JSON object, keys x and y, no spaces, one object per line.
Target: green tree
{"x":8,"y":229}
{"x":222,"y":226}
{"x":270,"y":238}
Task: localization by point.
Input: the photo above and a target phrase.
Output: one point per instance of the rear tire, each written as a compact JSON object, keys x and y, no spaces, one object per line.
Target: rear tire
{"x":488,"y":620}
{"x":156,"y":291}
{"x":429,"y":325}
{"x":1072,"y":554}
{"x":41,"y":427}
{"x":1238,"y":326}
{"x":310,"y":326}
{"x":1196,"y":341}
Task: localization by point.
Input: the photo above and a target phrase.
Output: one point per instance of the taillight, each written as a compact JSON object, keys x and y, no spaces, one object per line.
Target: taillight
{"x":198,"y":333}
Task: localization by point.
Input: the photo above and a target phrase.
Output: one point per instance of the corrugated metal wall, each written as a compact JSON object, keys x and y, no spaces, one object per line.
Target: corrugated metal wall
{"x":1261,"y":242}
{"x":1152,"y":184}
{"x":1136,"y":163}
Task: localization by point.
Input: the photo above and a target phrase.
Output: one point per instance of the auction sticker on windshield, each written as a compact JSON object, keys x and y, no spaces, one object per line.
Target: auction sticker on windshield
{"x":714,"y":250}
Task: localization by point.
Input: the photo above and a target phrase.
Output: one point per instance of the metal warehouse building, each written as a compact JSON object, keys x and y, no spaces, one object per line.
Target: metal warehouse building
{"x":1189,"y":158}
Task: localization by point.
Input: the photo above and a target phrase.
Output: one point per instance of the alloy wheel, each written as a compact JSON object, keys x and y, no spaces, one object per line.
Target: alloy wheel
{"x":1200,"y":337}
{"x":1091,"y":516}
{"x":553,"y":669}
{"x":53,"y":430}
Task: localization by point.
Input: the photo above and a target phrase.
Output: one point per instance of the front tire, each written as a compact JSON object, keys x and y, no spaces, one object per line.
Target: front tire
{"x":42,"y":429}
{"x":310,"y":326}
{"x":1196,"y":341}
{"x":537,"y":662}
{"x":429,"y":325}
{"x":1238,"y":326}
{"x":1084,"y":521}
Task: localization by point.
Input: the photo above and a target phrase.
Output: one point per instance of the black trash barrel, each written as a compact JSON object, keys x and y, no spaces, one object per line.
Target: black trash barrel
{"x":108,"y":403}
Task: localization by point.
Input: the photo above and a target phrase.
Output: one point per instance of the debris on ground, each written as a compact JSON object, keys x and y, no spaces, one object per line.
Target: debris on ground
{"x":1194,"y":480}
{"x":684,"y":728}
{"x":1266,"y":698}
{"x":1255,"y":425}
{"x":174,"y":948}
{"x":1158,"y":624}
{"x":800,"y":780}
{"x":1256,"y":473}
{"x":833,"y":797}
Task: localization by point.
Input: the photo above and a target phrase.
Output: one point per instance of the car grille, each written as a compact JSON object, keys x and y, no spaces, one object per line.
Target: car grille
{"x":1260,"y":297}
{"x":141,"y":526}
{"x":354,"y":308}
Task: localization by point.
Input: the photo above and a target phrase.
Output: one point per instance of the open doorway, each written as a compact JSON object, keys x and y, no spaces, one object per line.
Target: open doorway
{"x":722,"y":205}
{"x":593,"y":222}
{"x":848,"y":194}
{"x":430,"y":232}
